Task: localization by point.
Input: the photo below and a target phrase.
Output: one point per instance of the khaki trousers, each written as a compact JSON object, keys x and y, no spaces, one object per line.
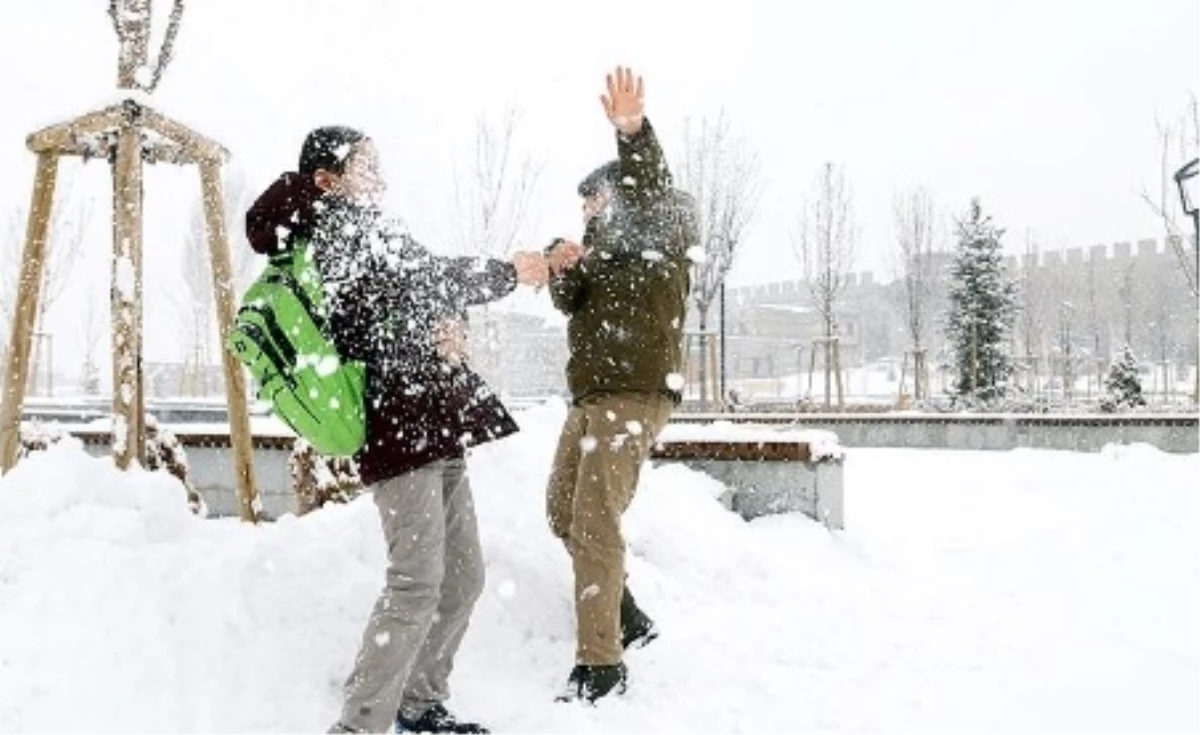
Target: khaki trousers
{"x":603,"y":445}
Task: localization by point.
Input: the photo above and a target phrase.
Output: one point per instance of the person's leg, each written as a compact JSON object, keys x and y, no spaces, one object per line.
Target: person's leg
{"x":619,"y":432}
{"x":411,"y":513}
{"x":560,"y":491}
{"x":428,"y":684}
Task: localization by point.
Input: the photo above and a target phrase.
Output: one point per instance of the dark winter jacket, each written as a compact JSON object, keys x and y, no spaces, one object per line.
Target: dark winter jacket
{"x":627,"y":298}
{"x":387,"y":295}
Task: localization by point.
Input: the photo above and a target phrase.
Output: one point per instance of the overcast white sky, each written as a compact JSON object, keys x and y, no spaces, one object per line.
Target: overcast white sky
{"x":1045,"y":109}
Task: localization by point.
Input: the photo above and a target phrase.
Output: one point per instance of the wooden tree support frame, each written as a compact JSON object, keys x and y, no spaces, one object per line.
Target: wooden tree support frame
{"x":128,"y":135}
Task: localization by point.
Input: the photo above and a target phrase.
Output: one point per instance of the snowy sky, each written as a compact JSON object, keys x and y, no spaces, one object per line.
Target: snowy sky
{"x":1046,"y":109}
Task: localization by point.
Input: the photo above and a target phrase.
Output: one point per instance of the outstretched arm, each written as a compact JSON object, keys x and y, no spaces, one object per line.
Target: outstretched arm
{"x":643,"y":167}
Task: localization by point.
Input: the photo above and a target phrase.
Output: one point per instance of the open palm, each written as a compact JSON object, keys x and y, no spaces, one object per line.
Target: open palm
{"x":625,"y":102}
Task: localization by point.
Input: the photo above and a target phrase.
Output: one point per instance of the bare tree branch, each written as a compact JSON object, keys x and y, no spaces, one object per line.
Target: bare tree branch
{"x":68,"y":226}
{"x":167,"y":52}
{"x":1164,"y":204}
{"x":912,"y":214}
{"x":132,"y":22}
{"x":195,"y":303}
{"x":825,"y":245}
{"x":722,"y":175}
{"x":719,"y":178}
{"x":495,"y":190}
{"x":826,"y":242}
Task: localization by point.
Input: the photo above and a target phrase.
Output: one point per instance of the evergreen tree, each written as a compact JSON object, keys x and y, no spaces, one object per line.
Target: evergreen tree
{"x":1123,"y":387}
{"x":982,"y":309}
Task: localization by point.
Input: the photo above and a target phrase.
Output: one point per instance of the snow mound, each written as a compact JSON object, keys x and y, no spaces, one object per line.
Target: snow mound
{"x":1022,"y":591}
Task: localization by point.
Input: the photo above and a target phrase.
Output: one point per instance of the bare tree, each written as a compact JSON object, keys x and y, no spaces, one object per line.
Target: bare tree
{"x":1094,"y":323}
{"x":493,"y":192}
{"x":826,"y":245}
{"x":195,"y":304}
{"x":1035,"y":311}
{"x":912,"y":216}
{"x":1180,"y":143}
{"x":132,"y":22}
{"x":68,"y":225}
{"x":721,"y":176}
{"x":95,"y":317}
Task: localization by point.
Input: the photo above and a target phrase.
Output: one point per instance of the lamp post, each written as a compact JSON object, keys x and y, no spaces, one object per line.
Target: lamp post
{"x":1185,"y":179}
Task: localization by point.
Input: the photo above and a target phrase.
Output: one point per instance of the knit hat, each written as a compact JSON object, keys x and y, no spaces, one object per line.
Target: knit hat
{"x":328,"y":148}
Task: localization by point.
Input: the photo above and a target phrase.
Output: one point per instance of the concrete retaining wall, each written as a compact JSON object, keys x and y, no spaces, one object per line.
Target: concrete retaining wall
{"x":1088,"y":433}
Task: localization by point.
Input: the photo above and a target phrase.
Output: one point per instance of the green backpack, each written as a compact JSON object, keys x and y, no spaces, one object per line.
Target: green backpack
{"x":279,"y":335}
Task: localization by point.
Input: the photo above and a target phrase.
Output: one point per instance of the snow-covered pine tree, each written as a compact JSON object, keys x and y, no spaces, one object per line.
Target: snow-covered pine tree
{"x":982,"y":309}
{"x":1123,"y":388}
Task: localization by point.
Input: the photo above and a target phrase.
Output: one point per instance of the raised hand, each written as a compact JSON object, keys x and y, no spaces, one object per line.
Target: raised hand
{"x":625,"y":102}
{"x":532,"y":269}
{"x":564,"y":255}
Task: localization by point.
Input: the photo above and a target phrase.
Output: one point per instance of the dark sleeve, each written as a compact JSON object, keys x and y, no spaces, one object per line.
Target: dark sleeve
{"x":473,"y":281}
{"x":566,"y":290}
{"x":644,"y":175}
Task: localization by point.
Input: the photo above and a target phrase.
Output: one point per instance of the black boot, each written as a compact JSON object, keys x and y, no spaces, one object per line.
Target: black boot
{"x":437,"y":719}
{"x":590,"y":683}
{"x":637,"y":629}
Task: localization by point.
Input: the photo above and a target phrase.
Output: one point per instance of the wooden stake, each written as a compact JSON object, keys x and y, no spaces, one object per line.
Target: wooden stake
{"x":129,"y":434}
{"x":16,"y":376}
{"x":837,"y":367}
{"x":712,"y":373}
{"x":194,"y":144}
{"x":65,"y":135}
{"x":249,"y":507}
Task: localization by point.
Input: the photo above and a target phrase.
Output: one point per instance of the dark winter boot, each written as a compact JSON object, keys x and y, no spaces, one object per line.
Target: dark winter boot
{"x":589,"y":683}
{"x":637,"y":629}
{"x":437,"y":719}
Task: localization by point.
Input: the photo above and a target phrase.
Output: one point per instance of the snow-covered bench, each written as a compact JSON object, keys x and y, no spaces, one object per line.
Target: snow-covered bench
{"x":766,"y":470}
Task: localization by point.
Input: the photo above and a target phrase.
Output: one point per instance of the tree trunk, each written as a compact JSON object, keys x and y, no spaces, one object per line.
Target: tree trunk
{"x":703,"y":318}
{"x":827,"y":348}
{"x":974,"y":360}
{"x":837,"y":368}
{"x":133,"y":24}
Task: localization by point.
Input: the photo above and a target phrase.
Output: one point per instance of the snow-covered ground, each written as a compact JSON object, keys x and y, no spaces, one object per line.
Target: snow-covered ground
{"x":1024,"y":591}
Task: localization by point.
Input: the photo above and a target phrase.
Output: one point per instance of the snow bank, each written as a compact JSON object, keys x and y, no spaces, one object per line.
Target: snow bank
{"x":1021,"y":591}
